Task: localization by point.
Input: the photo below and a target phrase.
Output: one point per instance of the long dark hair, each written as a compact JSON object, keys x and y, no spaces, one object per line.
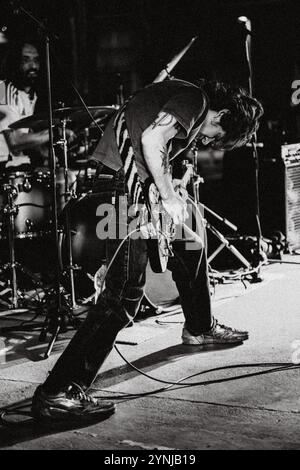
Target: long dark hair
{"x":242,"y":120}
{"x":13,"y":72}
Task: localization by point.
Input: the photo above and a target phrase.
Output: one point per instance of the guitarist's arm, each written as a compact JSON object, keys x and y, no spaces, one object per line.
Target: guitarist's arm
{"x":155,"y":141}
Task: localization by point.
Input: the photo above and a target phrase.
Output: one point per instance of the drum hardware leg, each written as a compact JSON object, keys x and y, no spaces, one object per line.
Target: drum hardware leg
{"x":57,"y":322}
{"x":71,"y":268}
{"x":53,"y":339}
{"x":36,"y":280}
{"x":56,"y":326}
{"x":64,"y":143}
{"x":225,"y":244}
{"x":70,"y":271}
{"x":45,"y":328}
{"x":11,"y":211}
{"x":148,"y":308}
{"x":56,"y":319}
{"x":16,"y":294}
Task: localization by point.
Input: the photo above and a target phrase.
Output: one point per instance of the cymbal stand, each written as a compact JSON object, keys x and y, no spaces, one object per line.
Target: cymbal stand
{"x":68,"y":193}
{"x":57,"y":321}
{"x":12,"y":210}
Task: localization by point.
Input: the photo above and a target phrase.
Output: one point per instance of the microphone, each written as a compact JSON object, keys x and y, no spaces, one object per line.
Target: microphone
{"x":246,"y":24}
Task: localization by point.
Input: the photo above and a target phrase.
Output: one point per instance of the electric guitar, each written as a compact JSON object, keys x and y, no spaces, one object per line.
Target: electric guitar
{"x":160,"y":230}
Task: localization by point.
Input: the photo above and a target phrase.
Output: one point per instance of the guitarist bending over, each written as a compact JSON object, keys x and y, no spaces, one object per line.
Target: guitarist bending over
{"x":135,"y":146}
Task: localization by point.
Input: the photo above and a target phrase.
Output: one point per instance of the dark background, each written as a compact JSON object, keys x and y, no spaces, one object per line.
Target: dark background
{"x":105,"y":44}
{"x":135,"y":38}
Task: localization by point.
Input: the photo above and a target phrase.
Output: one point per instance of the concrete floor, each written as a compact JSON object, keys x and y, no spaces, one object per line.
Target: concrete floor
{"x":260,"y":412}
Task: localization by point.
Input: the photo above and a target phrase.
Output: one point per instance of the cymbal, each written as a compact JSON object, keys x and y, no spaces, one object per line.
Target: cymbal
{"x":82,"y":119}
{"x":77,"y":118}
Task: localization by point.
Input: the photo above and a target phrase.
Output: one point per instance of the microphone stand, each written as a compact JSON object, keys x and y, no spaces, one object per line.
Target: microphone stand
{"x":56,"y":320}
{"x":254,"y":144}
{"x":165,"y":72}
{"x":197,"y":180}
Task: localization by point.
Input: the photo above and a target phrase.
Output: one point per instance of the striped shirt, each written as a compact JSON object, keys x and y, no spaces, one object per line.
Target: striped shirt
{"x":14,"y":105}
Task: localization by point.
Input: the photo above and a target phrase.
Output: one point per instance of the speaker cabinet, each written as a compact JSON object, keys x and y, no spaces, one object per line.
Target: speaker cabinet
{"x":290,"y":155}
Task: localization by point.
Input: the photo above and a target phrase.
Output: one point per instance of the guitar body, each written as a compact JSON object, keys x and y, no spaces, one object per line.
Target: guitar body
{"x":159,"y":242}
{"x":159,"y":228}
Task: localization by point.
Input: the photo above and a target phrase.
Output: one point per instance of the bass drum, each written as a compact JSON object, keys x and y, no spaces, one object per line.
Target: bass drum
{"x":89,"y":253}
{"x":87,"y":249}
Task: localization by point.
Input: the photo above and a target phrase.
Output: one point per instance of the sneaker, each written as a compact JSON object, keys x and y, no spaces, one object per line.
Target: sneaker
{"x":74,"y":403}
{"x":218,"y":334}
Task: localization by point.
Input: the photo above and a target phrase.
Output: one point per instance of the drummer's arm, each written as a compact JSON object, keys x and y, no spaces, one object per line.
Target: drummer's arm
{"x":17,"y":140}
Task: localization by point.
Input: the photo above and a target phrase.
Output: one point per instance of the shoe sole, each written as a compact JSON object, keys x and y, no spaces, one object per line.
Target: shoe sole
{"x":214,"y":341}
{"x":59,"y":415}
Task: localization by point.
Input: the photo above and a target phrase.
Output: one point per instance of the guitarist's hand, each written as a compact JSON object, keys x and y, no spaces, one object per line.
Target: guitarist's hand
{"x":176,"y":207}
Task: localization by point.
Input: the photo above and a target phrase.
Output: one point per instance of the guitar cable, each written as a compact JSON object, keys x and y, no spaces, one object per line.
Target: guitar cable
{"x":138,"y":230}
{"x":119,"y":395}
{"x":183,"y":382}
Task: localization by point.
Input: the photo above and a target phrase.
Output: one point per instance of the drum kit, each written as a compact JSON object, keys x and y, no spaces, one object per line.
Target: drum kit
{"x":26,"y":210}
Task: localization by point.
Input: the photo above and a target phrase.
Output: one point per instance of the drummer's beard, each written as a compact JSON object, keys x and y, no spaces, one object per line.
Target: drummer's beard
{"x":30,"y":78}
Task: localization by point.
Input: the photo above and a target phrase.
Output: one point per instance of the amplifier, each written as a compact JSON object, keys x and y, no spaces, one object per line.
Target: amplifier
{"x":290,"y":155}
{"x":279,"y":192}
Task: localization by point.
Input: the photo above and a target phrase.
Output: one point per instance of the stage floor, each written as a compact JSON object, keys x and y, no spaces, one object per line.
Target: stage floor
{"x":256,"y":412}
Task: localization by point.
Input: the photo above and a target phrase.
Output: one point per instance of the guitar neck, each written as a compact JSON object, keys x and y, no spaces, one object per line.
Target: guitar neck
{"x":187,"y":176}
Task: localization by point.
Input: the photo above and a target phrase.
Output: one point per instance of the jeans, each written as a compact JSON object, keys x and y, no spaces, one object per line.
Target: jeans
{"x":119,"y":302}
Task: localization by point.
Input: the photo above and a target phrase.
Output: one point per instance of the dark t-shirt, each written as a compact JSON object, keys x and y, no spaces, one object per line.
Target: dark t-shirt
{"x":186,"y":102}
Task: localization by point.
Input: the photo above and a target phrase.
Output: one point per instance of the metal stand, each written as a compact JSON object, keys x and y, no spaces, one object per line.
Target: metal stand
{"x":165,"y":72}
{"x":197,"y":180}
{"x":10,"y":212}
{"x":248,"y":51}
{"x":56,"y":319}
{"x":68,"y":194}
{"x":225,"y":244}
{"x":58,"y":316}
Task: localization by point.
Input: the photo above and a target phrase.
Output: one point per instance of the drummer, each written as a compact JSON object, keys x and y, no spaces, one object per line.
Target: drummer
{"x":18,"y":99}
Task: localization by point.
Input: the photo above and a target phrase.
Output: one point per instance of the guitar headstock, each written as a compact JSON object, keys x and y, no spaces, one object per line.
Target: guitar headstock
{"x":189,"y":172}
